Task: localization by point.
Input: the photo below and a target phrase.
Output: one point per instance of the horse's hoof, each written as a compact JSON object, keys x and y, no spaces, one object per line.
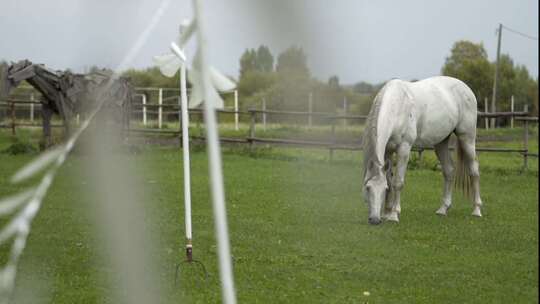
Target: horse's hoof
{"x":476,"y":212}
{"x":393,"y":217}
{"x":442,"y":211}
{"x":374,"y":221}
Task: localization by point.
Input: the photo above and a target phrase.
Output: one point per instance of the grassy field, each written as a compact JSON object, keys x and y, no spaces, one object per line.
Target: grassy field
{"x":299,"y":232}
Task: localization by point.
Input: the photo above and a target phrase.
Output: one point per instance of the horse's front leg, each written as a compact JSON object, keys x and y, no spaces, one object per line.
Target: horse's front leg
{"x":398,"y":180}
{"x":389,"y":200}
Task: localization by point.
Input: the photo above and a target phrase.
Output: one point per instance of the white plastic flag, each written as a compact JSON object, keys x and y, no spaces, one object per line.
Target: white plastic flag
{"x":170,"y":63}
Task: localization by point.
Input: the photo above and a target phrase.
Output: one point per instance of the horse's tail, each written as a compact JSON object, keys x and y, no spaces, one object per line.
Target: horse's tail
{"x":463,"y":181}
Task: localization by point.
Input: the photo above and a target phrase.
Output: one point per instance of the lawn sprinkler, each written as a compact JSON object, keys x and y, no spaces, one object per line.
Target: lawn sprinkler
{"x":169,"y":64}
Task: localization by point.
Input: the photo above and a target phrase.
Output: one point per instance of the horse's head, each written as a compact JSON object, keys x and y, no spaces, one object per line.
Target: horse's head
{"x":375,"y":188}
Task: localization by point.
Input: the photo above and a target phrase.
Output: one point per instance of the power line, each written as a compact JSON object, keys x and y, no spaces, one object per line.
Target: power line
{"x":520,"y":33}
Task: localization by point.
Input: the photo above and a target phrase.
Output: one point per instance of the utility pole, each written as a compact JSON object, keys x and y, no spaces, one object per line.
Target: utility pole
{"x":494,"y":97}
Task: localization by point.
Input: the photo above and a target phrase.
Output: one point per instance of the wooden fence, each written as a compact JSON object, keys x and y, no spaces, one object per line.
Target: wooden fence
{"x":251,"y":137}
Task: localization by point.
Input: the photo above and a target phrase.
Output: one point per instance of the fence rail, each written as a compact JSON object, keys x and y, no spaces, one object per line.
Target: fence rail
{"x":251,"y":137}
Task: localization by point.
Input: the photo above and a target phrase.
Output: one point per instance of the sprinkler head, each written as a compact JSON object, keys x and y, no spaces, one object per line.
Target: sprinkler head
{"x":189,"y":253}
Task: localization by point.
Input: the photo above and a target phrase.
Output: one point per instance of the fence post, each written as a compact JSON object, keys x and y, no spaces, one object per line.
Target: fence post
{"x":236,"y":110}
{"x":252,"y":128}
{"x":160,"y":110}
{"x":512,"y":110}
{"x":144,"y":109}
{"x":264,"y":113}
{"x":32,"y":107}
{"x":486,"y":111}
{"x":344,"y":110}
{"x":333,"y":139}
{"x":526,"y":144}
{"x":128,"y":112}
{"x":310,"y":109}
{"x":13,"y":118}
{"x":493,"y":119}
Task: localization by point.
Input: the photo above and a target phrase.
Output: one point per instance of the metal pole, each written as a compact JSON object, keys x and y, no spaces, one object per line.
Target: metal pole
{"x":486,"y":110}
{"x":160,"y":110}
{"x":185,"y":153}
{"x":495,"y":79}
{"x":310,"y":108}
{"x":512,"y":110}
{"x":236,"y":110}
{"x":215,"y":169}
{"x":144,"y":109}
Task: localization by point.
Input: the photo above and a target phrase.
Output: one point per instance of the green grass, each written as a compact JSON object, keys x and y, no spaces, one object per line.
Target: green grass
{"x":323,"y":132}
{"x":299,"y":232}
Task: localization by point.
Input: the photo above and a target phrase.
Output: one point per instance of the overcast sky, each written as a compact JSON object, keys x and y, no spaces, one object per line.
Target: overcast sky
{"x":354,"y":39}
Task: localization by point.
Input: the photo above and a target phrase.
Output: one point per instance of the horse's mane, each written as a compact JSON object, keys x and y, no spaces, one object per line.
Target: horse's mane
{"x":369,"y":140}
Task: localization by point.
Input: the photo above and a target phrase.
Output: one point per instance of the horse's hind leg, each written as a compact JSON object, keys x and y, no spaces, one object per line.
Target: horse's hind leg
{"x":467,"y":146}
{"x":445,"y":158}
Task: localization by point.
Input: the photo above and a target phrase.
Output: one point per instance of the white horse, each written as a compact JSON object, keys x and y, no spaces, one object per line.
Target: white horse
{"x":423,"y":113}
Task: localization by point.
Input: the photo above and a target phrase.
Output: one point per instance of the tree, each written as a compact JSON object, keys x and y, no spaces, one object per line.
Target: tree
{"x":253,"y":82}
{"x":533,"y":91}
{"x":333,"y":82}
{"x":293,"y":61}
{"x":506,"y":82}
{"x":264,"y":61}
{"x":469,"y":63}
{"x":256,"y":71}
{"x":248,"y":62}
{"x":514,"y":80}
{"x":150,"y":77}
{"x":363,"y":88}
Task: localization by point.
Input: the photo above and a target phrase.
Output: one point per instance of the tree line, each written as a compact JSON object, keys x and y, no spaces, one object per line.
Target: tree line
{"x":468,"y":61}
{"x":285,"y":82}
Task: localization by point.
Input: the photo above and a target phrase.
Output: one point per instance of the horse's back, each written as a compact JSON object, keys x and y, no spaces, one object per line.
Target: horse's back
{"x":442,"y":105}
